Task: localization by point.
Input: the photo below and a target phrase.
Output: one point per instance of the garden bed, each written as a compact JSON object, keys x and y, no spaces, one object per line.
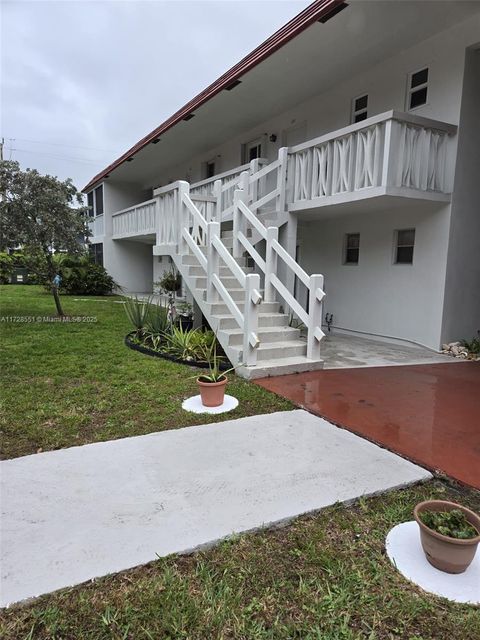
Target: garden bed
{"x":223,"y":366}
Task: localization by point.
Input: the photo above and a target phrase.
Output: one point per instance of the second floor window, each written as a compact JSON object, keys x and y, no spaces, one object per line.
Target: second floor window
{"x":95,"y":202}
{"x":417,"y":89}
{"x":359,"y":108}
{"x":351,"y":249}
{"x":404,"y":244}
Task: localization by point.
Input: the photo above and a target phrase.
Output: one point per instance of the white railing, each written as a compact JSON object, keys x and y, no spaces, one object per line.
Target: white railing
{"x":195,"y":231}
{"x":311,"y":317}
{"x":96,"y":226}
{"x":167,"y":223}
{"x":137,"y":220}
{"x":389,"y":150}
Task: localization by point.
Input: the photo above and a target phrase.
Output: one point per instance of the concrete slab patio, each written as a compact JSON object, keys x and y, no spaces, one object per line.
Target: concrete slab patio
{"x":79,"y":513}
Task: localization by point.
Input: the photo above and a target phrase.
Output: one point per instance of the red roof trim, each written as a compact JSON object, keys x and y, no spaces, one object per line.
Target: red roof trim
{"x":288,"y":32}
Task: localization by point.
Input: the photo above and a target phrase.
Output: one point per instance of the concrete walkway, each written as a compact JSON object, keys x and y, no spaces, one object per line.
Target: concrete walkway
{"x":79,"y":513}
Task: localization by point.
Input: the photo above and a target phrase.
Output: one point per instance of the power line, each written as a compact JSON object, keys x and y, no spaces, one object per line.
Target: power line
{"x":53,"y":155}
{"x":60,"y":144}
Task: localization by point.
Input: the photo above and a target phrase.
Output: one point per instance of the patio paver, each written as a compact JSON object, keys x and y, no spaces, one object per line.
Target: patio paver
{"x":83,"y":512}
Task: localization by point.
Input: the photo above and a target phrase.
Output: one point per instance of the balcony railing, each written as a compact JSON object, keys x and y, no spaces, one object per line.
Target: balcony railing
{"x":390,"y":154}
{"x":390,"y":151}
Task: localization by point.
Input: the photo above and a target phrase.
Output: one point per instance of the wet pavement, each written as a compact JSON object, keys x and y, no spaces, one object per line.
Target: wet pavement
{"x":427,"y":413}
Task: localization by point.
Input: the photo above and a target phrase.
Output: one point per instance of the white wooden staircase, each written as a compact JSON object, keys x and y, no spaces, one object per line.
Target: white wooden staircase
{"x":236,"y":286}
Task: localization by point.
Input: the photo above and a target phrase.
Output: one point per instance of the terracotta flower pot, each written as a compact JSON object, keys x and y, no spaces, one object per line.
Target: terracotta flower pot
{"x":451,"y":555}
{"x":212,"y":393}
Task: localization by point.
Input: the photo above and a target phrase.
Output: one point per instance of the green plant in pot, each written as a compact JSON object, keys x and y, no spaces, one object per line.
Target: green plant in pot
{"x":170,"y":282}
{"x":185,"y":315}
{"x":212,"y":384}
{"x":449,"y":534}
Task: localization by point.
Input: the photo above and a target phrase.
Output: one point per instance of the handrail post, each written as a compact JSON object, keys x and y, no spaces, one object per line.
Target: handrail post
{"x":270,"y":263}
{"x":238,"y":195}
{"x":254,"y":166}
{"x":250,"y":319}
{"x":315,"y":314}
{"x":213,"y":263}
{"x":282,"y":179}
{"x":217,"y":207}
{"x":182,"y":216}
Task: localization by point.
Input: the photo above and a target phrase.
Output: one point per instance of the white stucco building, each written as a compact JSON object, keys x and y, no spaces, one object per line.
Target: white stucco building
{"x":353,"y":136}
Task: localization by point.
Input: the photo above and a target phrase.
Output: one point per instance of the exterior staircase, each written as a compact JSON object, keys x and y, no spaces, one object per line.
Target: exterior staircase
{"x":281,"y":348}
{"x":236,"y":285}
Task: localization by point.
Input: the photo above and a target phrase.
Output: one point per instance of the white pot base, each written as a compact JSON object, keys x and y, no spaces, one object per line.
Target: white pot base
{"x":405,"y":551}
{"x":194,"y":404}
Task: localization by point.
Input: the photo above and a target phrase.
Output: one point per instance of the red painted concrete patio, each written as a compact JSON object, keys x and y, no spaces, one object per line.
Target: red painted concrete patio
{"x":427,"y":413}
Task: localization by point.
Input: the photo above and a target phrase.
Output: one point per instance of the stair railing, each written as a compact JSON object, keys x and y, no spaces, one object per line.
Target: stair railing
{"x":243,"y":216}
{"x":194,"y":231}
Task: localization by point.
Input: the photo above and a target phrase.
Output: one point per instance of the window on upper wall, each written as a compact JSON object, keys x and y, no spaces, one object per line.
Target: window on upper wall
{"x":351,"y":248}
{"x":91,"y":209}
{"x":404,"y":245}
{"x":359,"y":108}
{"x":417,"y":89}
{"x":99,"y":200}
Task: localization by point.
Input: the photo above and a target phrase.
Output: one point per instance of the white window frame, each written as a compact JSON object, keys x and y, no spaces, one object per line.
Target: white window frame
{"x":396,"y":246}
{"x":410,"y":89}
{"x":260,"y":141}
{"x":94,"y":196}
{"x":354,"y":112}
{"x":345,"y":248}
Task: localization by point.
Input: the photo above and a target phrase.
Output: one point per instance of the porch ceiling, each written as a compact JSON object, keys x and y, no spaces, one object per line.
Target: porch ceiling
{"x":319,"y":58}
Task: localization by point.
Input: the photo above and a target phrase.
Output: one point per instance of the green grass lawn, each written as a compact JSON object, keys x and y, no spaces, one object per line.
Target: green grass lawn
{"x":323,"y":577}
{"x":70,"y":384}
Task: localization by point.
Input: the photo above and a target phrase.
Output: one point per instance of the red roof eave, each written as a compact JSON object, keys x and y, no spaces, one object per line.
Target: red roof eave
{"x":288,"y":32}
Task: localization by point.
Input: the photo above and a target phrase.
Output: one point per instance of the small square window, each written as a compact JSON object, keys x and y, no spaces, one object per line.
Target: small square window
{"x":360,"y":108}
{"x":351,"y":248}
{"x":417,"y":89}
{"x":404,"y":244}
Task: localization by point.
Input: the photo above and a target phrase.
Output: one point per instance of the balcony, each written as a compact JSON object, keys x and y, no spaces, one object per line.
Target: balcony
{"x":392,"y":155}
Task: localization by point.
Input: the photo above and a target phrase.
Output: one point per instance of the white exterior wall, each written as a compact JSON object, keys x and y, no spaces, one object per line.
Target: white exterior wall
{"x":378,"y":297}
{"x":462,"y":295}
{"x":386,"y":85}
{"x":128,"y":262}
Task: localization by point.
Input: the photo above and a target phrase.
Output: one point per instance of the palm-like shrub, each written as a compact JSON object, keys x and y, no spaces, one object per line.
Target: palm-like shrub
{"x":137,"y":311}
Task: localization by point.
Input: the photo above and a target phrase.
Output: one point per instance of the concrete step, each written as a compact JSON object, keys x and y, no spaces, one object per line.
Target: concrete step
{"x":197,"y":271}
{"x":266,"y":335}
{"x":238,"y":295}
{"x":276,"y":320}
{"x":190,"y":259}
{"x":221,"y":309}
{"x":278,"y":350}
{"x":280,"y":367}
{"x":229,"y":281}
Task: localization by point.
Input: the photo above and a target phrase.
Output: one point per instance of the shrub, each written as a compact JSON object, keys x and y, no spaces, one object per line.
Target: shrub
{"x":190,"y":345}
{"x":88,"y":280}
{"x":6,"y":267}
{"x":137,"y":312}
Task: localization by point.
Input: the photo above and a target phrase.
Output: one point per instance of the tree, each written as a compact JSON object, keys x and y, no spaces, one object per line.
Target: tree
{"x":43,"y":215}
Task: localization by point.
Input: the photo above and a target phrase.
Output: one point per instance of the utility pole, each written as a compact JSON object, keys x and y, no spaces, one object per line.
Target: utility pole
{"x":1,"y":149}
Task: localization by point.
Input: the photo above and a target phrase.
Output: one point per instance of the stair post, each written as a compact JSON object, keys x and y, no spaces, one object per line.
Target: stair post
{"x":315,"y":315}
{"x":270,"y":263}
{"x":238,"y":195}
{"x":217,"y":194}
{"x":213,"y":263}
{"x":282,"y":179}
{"x":182,"y":216}
{"x":253,"y":299}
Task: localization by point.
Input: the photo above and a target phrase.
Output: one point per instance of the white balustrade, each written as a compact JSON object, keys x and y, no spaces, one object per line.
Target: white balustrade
{"x":390,"y":150}
{"x":137,"y":220}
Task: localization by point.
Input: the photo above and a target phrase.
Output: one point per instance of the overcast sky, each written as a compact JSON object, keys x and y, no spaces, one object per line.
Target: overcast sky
{"x":83,"y":80}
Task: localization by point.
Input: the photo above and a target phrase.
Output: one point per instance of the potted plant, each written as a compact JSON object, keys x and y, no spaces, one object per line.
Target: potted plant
{"x":185,"y":316}
{"x":212,"y":384}
{"x":449,"y":534}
